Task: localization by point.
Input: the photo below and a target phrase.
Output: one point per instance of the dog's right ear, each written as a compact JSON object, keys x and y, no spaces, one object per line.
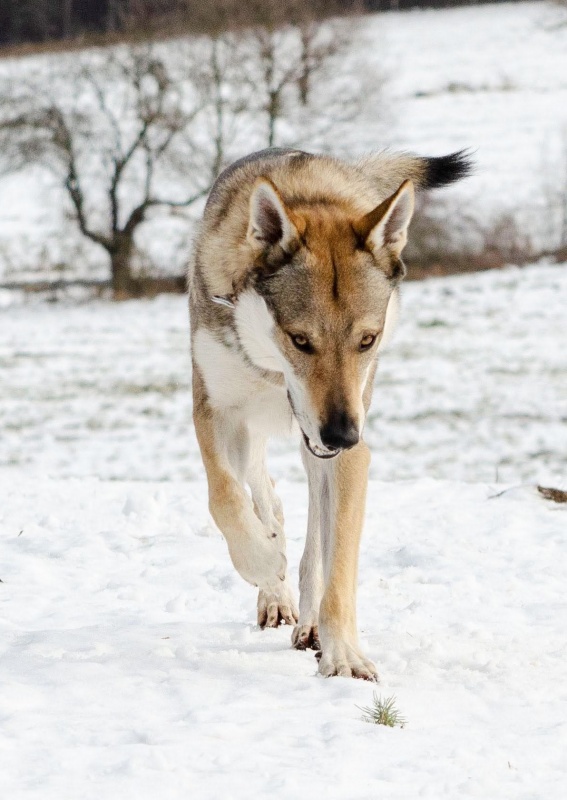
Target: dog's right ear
{"x":271,"y":224}
{"x":387,"y":224}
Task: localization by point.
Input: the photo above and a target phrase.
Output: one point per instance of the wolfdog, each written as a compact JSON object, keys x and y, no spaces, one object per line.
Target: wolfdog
{"x":293,"y":288}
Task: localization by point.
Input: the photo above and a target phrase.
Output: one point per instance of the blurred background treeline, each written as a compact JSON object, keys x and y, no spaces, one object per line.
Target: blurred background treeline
{"x":33,"y":21}
{"x":117,"y":116}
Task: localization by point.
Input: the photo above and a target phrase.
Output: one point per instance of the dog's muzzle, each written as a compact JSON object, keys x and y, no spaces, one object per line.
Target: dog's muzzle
{"x":318,"y":451}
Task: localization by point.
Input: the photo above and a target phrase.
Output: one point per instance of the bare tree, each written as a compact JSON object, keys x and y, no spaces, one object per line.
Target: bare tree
{"x":138,"y":129}
{"x":131,"y":127}
{"x":283,"y":46}
{"x":285,"y":50}
{"x":287,"y":46}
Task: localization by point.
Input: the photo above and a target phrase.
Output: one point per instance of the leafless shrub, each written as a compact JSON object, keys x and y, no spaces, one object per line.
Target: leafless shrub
{"x":467,"y":245}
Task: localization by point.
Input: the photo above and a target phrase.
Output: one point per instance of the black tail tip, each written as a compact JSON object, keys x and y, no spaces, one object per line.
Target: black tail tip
{"x":443,"y":170}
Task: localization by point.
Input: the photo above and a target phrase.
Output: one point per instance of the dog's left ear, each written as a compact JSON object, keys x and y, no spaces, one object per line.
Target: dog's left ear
{"x":386,"y":226}
{"x":270,"y":224}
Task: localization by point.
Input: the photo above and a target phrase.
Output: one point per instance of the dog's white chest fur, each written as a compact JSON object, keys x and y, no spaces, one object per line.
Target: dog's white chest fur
{"x":232,"y":384}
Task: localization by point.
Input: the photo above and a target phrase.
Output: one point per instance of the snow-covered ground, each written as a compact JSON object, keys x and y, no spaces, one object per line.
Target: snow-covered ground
{"x":130,"y":663}
{"x":473,"y":387}
{"x":493,"y":78}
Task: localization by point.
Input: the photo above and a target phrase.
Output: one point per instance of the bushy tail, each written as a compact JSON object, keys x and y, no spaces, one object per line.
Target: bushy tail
{"x":389,"y":170}
{"x":443,"y":170}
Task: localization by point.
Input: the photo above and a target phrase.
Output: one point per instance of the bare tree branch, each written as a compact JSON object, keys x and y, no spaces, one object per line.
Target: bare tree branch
{"x":139,"y":127}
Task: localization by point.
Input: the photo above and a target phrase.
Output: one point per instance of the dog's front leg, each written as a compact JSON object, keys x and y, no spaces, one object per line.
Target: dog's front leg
{"x":276,"y":606}
{"x":342,"y":517}
{"x":306,"y":632}
{"x":257,"y":551}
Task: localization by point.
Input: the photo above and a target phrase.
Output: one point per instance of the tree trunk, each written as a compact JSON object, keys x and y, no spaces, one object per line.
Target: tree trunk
{"x":305,"y":74}
{"x":273,"y":115}
{"x":124,"y":284}
{"x":67,"y":18}
{"x":114,"y":14}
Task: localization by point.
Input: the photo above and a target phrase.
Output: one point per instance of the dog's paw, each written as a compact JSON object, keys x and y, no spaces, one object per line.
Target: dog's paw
{"x":260,"y":560}
{"x":340,"y":658}
{"x":305,"y":637}
{"x":275,"y":608}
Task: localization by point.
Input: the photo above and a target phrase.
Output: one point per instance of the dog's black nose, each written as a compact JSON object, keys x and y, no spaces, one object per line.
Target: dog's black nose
{"x":339,"y":432}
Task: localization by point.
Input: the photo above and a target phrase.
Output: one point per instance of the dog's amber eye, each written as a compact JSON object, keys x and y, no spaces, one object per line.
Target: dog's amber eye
{"x":367,"y":341}
{"x":302,"y":343}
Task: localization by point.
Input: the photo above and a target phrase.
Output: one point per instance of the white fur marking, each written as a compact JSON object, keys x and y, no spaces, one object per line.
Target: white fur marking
{"x":255,"y":326}
{"x":392,"y":313}
{"x":361,"y":409}
{"x":232,"y":384}
{"x":228,"y":380}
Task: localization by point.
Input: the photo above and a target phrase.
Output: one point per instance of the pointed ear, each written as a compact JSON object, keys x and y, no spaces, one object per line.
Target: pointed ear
{"x":270,"y":221}
{"x":387,"y":224}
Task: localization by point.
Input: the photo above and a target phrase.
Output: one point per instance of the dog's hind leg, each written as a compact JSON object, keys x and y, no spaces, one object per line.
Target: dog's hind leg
{"x":306,"y":632}
{"x":276,"y":606}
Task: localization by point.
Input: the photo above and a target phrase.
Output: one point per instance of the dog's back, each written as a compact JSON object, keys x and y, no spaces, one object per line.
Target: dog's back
{"x":303,"y":179}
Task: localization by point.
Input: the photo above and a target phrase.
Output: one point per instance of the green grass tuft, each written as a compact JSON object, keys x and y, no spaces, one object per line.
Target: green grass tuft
{"x":382,"y":712}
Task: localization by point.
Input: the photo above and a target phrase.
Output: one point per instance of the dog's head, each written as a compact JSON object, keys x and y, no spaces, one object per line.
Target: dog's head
{"x":319,"y":302}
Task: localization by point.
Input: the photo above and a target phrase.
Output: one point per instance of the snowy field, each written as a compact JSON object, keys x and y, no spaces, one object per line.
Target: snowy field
{"x":130,"y":663}
{"x":493,"y":78}
{"x":473,"y":387}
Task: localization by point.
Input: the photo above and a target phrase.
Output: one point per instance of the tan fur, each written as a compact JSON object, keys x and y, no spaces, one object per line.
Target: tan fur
{"x":253,"y":549}
{"x":294,"y":271}
{"x":353,"y":189}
